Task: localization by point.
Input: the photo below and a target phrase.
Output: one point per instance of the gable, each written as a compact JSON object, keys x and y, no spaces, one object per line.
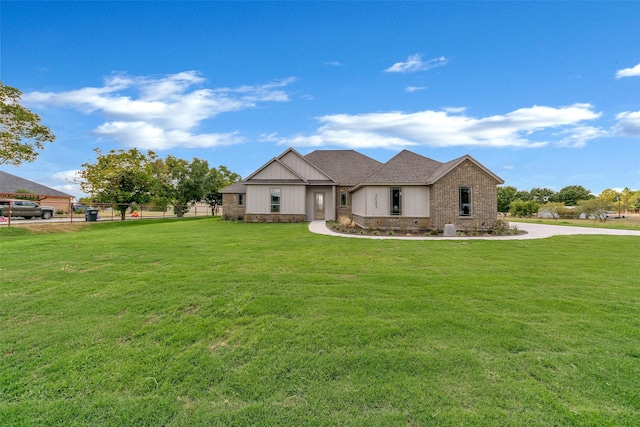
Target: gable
{"x":459,"y":162}
{"x":302,"y":167}
{"x":405,"y":167}
{"x":274,"y":171}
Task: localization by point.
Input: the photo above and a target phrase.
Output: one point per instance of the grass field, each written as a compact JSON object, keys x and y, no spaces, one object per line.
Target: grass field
{"x":207,"y":322}
{"x":629,"y":222}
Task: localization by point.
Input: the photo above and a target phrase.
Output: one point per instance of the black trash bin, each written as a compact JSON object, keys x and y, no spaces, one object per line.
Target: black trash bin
{"x":91,"y":214}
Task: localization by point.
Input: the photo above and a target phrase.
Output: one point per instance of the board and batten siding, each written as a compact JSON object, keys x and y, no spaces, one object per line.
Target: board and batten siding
{"x":375,"y":201}
{"x":302,"y":167}
{"x":415,"y":201}
{"x":275,"y":171}
{"x":292,"y":199}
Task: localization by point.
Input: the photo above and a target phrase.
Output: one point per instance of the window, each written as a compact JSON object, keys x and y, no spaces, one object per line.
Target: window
{"x":275,"y":200}
{"x":396,"y":201}
{"x":464,"y":201}
{"x":343,"y":199}
{"x":241,"y":199}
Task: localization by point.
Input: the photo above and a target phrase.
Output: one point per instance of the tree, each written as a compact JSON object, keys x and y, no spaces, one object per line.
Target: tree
{"x":120,"y":178}
{"x":596,"y":208}
{"x":609,"y":194}
{"x":23,"y":193}
{"x":506,"y":195}
{"x":217,"y":179}
{"x":571,"y":195}
{"x":523,"y":195}
{"x":552,"y":209}
{"x":520,"y":208}
{"x":21,"y":134}
{"x":541,"y":195}
{"x":187,"y":182}
{"x":635,"y":200}
{"x":626,"y":200}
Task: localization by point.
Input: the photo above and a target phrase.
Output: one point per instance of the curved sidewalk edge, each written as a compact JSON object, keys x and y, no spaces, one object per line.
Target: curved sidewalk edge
{"x":533,"y":231}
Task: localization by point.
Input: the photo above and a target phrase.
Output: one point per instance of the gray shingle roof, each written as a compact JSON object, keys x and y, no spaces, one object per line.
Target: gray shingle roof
{"x":405,"y":167}
{"x":10,"y":183}
{"x":235,"y":188}
{"x":347,"y":167}
{"x":352,"y":169}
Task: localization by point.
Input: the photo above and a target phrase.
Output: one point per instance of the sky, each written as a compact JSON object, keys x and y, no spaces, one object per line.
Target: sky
{"x":544,"y":94}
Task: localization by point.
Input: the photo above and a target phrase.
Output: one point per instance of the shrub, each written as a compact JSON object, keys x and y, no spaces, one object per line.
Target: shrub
{"x":345,"y":221}
{"x":520,"y":208}
{"x":500,"y":226}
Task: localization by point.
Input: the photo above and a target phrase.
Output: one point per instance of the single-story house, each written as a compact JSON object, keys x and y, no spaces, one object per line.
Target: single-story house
{"x":12,"y":186}
{"x":408,"y":192}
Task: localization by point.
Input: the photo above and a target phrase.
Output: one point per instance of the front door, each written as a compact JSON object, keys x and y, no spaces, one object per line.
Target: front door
{"x":318,"y":211}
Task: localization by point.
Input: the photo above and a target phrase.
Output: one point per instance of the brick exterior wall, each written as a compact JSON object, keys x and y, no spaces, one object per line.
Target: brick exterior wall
{"x":343,"y":210}
{"x":275,"y":218}
{"x":484,"y":198}
{"x":392,"y":223}
{"x":230,"y":208}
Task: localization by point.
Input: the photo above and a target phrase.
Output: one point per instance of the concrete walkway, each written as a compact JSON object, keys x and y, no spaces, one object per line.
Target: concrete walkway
{"x":533,"y":231}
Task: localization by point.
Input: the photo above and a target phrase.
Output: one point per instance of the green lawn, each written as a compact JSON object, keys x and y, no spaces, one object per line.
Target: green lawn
{"x":206,"y":322}
{"x":629,"y":222}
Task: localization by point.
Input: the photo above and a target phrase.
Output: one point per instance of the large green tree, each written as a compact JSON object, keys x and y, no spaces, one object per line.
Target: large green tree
{"x":609,"y":194}
{"x":571,"y":194}
{"x":506,"y":195}
{"x":120,"y":178}
{"x":21,"y":133}
{"x":216,"y":180}
{"x":541,"y":195}
{"x":186,"y":182}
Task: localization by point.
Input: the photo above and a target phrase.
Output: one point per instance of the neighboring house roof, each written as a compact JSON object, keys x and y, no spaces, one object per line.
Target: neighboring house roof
{"x":347,"y":167}
{"x":235,"y":188}
{"x":10,"y":183}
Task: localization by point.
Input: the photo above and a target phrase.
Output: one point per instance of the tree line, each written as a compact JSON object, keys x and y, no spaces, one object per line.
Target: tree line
{"x":570,"y":201}
{"x":126,"y":177}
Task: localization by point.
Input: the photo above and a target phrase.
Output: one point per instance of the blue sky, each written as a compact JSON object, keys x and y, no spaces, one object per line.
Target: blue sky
{"x":545,"y":94}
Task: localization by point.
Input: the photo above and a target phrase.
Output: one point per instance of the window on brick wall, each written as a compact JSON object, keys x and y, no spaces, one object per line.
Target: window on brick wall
{"x":241,"y":199}
{"x":343,"y":199}
{"x":464,"y":201}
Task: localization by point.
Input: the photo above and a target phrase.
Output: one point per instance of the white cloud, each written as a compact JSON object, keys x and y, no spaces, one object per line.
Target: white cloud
{"x":455,"y":110}
{"x":161,"y":113}
{"x":395,"y":130}
{"x":628,"y":124}
{"x":629,"y":72}
{"x":69,"y":179}
{"x":150,"y":137}
{"x":414,"y":63}
{"x":334,"y":63}
{"x":412,"y":89}
{"x":578,"y":136}
{"x":69,"y":176}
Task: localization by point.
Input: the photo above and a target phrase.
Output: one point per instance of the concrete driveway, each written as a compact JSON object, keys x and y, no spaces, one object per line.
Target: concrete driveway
{"x":533,"y":231}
